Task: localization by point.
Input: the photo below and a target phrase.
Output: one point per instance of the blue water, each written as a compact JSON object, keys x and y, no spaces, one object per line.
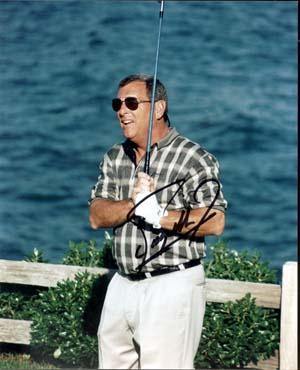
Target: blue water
{"x":231,"y":72}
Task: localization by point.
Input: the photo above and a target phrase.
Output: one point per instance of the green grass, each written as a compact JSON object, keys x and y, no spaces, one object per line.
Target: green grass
{"x":21,"y":361}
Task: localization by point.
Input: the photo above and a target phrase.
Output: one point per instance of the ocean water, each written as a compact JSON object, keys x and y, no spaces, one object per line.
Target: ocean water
{"x":231,"y":73}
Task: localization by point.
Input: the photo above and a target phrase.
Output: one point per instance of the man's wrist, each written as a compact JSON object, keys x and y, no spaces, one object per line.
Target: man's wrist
{"x":131,"y":203}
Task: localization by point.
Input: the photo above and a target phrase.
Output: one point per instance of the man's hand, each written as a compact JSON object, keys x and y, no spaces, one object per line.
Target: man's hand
{"x":149,"y":208}
{"x":143,"y":184}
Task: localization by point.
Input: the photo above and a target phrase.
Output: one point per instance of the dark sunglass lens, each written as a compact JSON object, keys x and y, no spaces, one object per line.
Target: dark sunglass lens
{"x":116,"y":104}
{"x":132,"y":103}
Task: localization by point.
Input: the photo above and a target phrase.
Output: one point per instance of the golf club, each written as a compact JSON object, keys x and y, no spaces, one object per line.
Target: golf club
{"x":148,"y":148}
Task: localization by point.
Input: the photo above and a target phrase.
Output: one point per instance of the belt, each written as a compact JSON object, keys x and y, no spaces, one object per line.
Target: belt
{"x":162,"y":271}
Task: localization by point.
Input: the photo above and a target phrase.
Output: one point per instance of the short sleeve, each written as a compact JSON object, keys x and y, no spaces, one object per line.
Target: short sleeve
{"x":106,"y":186}
{"x":203,"y":187}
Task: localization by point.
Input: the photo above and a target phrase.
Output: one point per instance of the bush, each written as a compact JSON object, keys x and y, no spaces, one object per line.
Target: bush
{"x":65,"y":318}
{"x":231,"y":265}
{"x":36,"y":256}
{"x":89,"y":254}
{"x":58,"y":323}
{"x":14,"y":305}
{"x":236,"y":333}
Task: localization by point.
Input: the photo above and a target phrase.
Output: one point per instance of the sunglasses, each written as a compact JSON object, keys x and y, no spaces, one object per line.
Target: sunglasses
{"x":131,"y":103}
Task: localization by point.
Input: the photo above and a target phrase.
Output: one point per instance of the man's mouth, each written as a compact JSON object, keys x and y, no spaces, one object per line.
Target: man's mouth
{"x":126,"y":122}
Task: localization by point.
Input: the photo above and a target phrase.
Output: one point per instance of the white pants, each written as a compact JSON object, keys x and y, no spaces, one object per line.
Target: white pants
{"x":153,"y":323}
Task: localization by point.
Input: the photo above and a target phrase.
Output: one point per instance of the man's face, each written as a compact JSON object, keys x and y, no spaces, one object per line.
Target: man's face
{"x":134,"y":123}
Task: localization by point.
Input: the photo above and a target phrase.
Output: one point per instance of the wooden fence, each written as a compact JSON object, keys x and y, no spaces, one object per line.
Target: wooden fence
{"x":282,"y":297}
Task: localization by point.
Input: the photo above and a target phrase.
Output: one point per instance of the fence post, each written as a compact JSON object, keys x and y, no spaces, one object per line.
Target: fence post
{"x":288,"y":324}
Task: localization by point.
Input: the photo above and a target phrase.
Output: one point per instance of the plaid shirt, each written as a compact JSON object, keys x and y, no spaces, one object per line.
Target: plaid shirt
{"x":173,"y":158}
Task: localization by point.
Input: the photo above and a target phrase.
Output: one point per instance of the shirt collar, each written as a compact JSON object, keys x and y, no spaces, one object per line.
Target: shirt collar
{"x":165,"y":141}
{"x":129,"y":146}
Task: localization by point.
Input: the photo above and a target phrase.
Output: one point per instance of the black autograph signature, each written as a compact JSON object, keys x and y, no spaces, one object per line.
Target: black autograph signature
{"x":141,"y":251}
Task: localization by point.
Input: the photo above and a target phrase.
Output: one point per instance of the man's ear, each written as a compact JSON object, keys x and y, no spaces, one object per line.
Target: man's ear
{"x":160,"y":107}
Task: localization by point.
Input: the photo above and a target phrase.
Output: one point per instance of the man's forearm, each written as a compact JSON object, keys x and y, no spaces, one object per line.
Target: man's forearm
{"x":183,"y":221}
{"x":109,"y":213}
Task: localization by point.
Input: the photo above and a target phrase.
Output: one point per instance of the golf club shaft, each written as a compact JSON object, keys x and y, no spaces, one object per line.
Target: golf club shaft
{"x":148,"y":148}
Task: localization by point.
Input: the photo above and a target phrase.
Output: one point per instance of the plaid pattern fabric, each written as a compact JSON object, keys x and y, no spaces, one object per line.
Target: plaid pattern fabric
{"x":172,"y":159}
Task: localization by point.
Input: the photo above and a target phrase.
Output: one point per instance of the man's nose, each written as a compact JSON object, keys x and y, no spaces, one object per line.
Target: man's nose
{"x":123,"y":109}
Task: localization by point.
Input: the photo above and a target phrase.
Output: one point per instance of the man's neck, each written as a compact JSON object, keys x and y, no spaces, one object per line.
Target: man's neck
{"x":157,"y":134}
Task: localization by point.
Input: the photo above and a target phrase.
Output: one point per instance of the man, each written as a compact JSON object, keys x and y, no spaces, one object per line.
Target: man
{"x":154,"y":307}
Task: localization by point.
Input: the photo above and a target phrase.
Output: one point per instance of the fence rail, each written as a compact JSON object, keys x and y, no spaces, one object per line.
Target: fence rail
{"x":267,"y":295}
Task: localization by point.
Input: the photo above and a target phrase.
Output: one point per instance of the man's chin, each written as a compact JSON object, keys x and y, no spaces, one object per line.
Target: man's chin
{"x":129,"y":137}
{"x":128,"y":134}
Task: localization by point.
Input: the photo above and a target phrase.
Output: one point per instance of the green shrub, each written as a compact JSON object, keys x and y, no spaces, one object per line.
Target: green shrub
{"x":65,"y":318}
{"x":14,"y":305}
{"x":36,"y":256}
{"x":236,"y":333}
{"x":58,"y":329}
{"x":82,"y":254}
{"x":232,"y":265}
{"x":18,"y":301}
{"x":89,"y":254}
